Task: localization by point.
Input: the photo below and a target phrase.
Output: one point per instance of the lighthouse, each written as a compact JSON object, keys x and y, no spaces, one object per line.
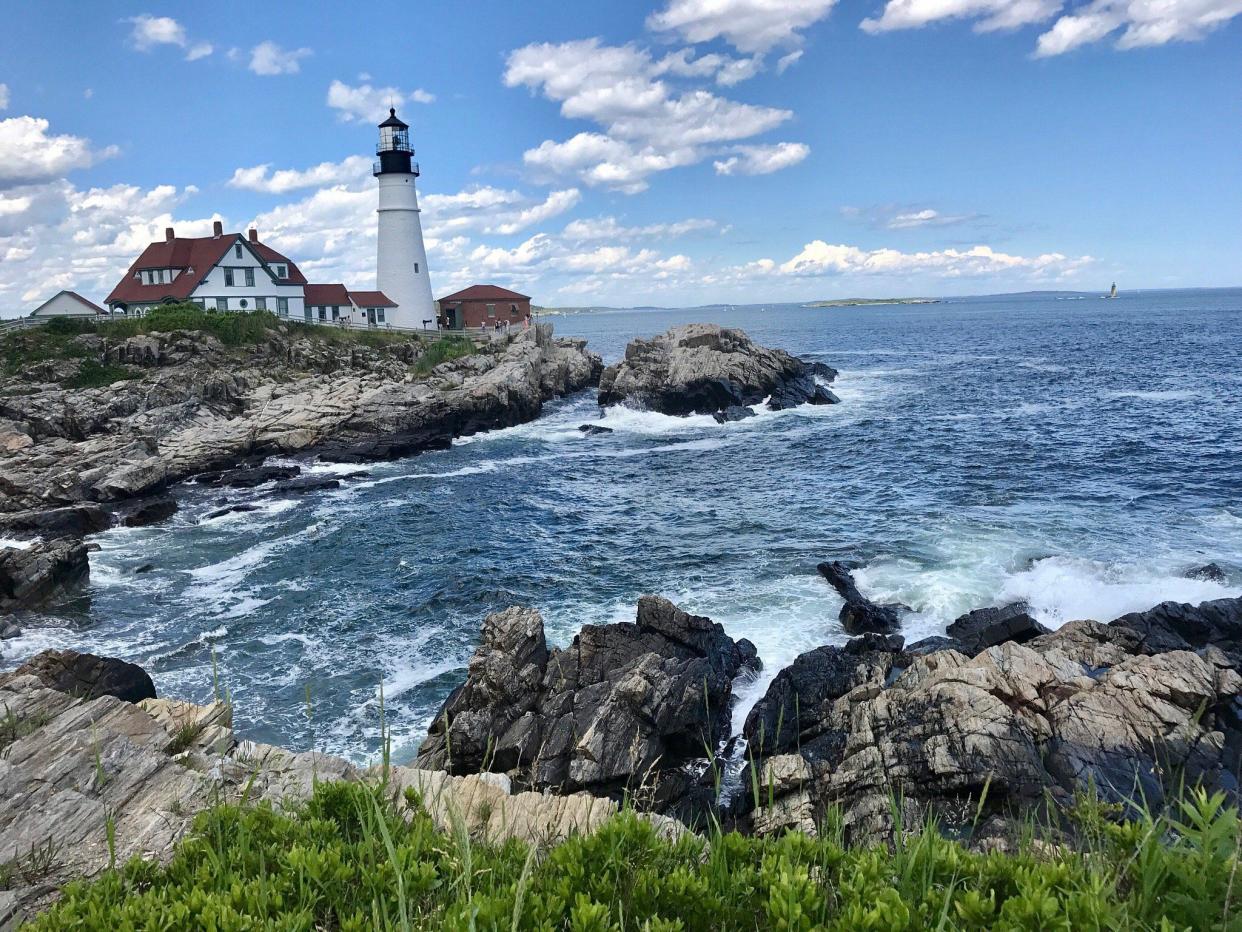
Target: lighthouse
{"x":401,"y":258}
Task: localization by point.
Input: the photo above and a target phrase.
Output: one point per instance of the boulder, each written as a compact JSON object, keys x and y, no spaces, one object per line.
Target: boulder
{"x":623,"y":706}
{"x":1208,"y":572}
{"x":985,"y":627}
{"x":705,"y":369}
{"x":152,"y":511}
{"x":304,"y":484}
{"x":34,"y":574}
{"x":86,"y":676}
{"x":247,"y":477}
{"x":859,"y":615}
{"x":592,"y":430}
{"x":733,"y":413}
{"x":67,"y":521}
{"x":8,"y":630}
{"x":228,"y":510}
{"x":795,"y":709}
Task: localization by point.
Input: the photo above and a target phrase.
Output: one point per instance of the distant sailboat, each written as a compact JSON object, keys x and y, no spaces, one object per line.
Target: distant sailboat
{"x":1113,"y":291}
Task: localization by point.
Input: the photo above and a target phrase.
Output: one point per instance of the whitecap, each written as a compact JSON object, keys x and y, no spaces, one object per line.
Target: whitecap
{"x":1183,"y":394}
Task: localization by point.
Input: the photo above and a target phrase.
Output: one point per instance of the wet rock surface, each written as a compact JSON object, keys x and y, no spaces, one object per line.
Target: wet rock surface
{"x":622,"y":707}
{"x":30,"y":576}
{"x":986,"y":627}
{"x":859,"y":615}
{"x":706,"y":369}
{"x":152,"y":511}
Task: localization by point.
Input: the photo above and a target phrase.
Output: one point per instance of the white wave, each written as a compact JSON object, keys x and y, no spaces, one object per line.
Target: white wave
{"x":15,"y":544}
{"x":1062,"y":589}
{"x":1183,"y":394}
{"x":1042,"y":365}
{"x":244,"y":606}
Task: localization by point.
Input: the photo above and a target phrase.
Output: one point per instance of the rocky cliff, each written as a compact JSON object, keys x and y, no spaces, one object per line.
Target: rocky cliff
{"x":190,"y":404}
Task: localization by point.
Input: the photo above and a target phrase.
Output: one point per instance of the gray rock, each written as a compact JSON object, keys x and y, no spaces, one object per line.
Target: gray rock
{"x":705,"y":369}
{"x":33,"y":575}
{"x":1125,"y":706}
{"x":733,"y":413}
{"x":592,"y":430}
{"x":151,"y":512}
{"x":247,"y":477}
{"x":68,"y":521}
{"x":986,"y":627}
{"x":228,"y":510}
{"x":86,"y":676}
{"x":304,"y":484}
{"x":859,"y":615}
{"x":622,"y":707}
{"x":1208,"y":572}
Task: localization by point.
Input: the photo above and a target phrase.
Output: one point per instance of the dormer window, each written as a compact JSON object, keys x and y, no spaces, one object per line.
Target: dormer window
{"x":237,"y":250}
{"x":282,"y":271}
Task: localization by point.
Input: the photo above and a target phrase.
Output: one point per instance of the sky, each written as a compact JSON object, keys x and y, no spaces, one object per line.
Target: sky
{"x":675,"y":152}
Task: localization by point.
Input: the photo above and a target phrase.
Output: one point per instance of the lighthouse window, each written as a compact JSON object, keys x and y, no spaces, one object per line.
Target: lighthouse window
{"x":415,"y":268}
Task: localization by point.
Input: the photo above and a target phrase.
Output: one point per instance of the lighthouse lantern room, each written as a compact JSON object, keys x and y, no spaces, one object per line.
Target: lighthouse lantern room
{"x":401,"y":258}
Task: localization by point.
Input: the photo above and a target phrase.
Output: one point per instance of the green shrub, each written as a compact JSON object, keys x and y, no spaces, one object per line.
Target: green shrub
{"x":442,"y":350}
{"x":351,"y":859}
{"x":94,"y":374}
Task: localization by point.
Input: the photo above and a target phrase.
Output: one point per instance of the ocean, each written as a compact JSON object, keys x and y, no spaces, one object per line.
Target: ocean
{"x":1081,"y":454}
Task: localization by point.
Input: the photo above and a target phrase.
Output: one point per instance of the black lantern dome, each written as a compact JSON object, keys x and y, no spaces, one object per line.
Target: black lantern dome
{"x":394,"y":148}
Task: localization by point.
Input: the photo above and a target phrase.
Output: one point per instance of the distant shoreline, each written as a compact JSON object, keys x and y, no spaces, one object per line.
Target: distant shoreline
{"x":866,"y":302}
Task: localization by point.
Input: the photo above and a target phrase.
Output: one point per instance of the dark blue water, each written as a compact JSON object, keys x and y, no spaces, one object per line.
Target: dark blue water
{"x":1081,"y":454}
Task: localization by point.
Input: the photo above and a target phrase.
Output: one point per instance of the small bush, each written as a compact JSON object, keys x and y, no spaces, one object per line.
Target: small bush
{"x":94,"y":374}
{"x":442,"y":351}
{"x":352,"y":859}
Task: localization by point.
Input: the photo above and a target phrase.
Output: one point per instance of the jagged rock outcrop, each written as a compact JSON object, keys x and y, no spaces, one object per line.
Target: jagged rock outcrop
{"x":151,"y":511}
{"x":986,"y":627}
{"x":624,"y":705}
{"x":68,"y":521}
{"x":68,"y":766}
{"x":33,"y":574}
{"x":1135,"y":707}
{"x":194,"y":406}
{"x":87,"y":676}
{"x":859,"y":615}
{"x":706,"y":368}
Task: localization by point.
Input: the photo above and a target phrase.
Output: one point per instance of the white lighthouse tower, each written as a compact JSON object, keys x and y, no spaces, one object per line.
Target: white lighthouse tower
{"x":401,"y":260}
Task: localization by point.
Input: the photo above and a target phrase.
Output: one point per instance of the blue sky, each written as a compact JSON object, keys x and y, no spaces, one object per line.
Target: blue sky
{"x":675,"y":152}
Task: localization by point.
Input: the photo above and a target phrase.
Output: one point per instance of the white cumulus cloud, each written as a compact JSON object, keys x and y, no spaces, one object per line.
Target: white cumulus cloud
{"x":367,"y":104}
{"x":1142,"y":23}
{"x":268,"y":58}
{"x":821,"y":258}
{"x":747,"y":25}
{"x":29,"y":155}
{"x":350,"y":170}
{"x":149,"y":31}
{"x":762,"y":160}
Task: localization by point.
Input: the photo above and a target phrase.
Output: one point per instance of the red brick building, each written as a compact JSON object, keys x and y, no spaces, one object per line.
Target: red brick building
{"x":483,"y":306}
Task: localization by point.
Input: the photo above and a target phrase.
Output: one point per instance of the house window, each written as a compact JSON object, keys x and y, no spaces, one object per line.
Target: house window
{"x":249,"y":277}
{"x":336,"y":312}
{"x":222,"y":304}
{"x":260,"y":304}
{"x":513,"y":310}
{"x":491,"y":310}
{"x":244,"y":304}
{"x":379,"y":315}
{"x":282,"y":307}
{"x":201,"y":302}
{"x":306,"y":312}
{"x":228,"y":277}
{"x":323,"y":313}
{"x":237,"y":250}
{"x":282,"y":271}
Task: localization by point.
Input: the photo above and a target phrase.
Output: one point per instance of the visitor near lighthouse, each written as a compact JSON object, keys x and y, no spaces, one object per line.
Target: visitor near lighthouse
{"x":401,"y":258}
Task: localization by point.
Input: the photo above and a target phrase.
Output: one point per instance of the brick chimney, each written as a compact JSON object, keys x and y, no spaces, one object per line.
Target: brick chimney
{"x":254,"y":235}
{"x":217,"y":229}
{"x":169,"y":235}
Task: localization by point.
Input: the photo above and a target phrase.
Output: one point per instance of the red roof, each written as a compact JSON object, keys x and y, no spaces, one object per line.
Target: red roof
{"x":201,"y":254}
{"x":485,"y":293}
{"x":372,"y":299}
{"x":334,"y":294}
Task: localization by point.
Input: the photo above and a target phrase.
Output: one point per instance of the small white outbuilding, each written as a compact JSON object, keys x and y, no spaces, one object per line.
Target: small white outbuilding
{"x":68,"y":304}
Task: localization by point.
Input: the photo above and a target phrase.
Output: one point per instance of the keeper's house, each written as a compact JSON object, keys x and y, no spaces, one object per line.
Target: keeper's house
{"x":483,"y":306}
{"x":68,"y":304}
{"x":229,"y":272}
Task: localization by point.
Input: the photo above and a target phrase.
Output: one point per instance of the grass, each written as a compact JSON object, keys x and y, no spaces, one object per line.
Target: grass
{"x":353,"y":858}
{"x":442,"y":351}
